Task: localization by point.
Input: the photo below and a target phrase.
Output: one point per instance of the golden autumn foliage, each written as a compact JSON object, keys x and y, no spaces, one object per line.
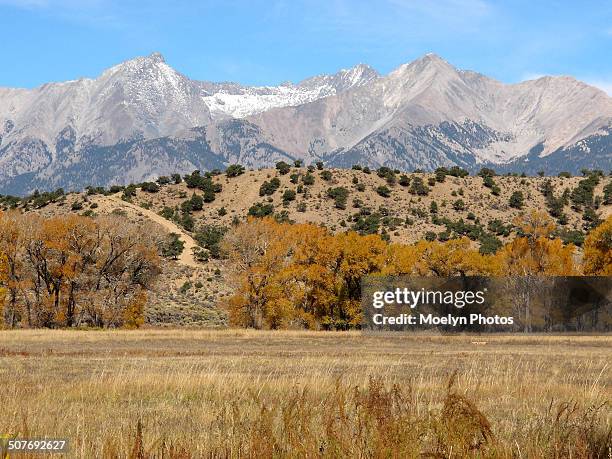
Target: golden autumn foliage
{"x":535,"y":225}
{"x":133,"y":314}
{"x":541,"y":256}
{"x":73,"y":270}
{"x":598,"y":250}
{"x":535,"y":253}
{"x":304,"y":276}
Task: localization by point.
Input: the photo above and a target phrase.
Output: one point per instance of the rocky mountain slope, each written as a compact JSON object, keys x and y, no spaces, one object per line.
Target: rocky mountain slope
{"x":141,"y":119}
{"x":428,"y":113}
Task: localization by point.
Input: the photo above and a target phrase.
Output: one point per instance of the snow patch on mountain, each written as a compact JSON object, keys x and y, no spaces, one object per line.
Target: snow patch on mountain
{"x":236,"y":101}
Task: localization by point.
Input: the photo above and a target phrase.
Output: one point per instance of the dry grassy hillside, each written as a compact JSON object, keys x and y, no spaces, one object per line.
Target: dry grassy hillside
{"x":388,"y":203}
{"x":238,"y":194}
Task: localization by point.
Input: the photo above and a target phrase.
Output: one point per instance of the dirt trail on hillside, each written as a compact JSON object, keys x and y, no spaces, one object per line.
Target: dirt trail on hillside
{"x":186,"y":258}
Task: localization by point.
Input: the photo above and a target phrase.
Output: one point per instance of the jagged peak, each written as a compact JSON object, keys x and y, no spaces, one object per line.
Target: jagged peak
{"x":361,"y":67}
{"x":432,"y":59}
{"x":154,"y":59}
{"x":361,"y":70}
{"x":156,"y":56}
{"x":428,"y":63}
{"x":356,"y":76}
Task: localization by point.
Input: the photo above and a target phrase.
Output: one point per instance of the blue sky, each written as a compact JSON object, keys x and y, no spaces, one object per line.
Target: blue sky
{"x":268,"y":42}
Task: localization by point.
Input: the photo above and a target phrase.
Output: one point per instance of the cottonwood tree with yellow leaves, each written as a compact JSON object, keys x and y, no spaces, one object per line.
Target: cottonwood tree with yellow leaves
{"x":298,"y":275}
{"x":72,"y":270}
{"x":531,"y":255}
{"x":598,"y":250}
{"x":535,"y":252}
{"x":304,"y":276}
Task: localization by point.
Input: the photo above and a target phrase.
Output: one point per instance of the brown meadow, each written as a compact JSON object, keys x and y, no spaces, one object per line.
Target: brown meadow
{"x":243,"y":393}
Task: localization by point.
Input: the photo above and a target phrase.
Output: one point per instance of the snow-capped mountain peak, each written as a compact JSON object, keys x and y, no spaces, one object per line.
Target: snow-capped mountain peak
{"x":142,"y":118}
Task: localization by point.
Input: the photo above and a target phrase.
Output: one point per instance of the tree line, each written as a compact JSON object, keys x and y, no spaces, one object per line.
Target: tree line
{"x":73,"y":270}
{"x":304,"y":276}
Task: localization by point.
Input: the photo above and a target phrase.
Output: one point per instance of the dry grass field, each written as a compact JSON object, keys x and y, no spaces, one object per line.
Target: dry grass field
{"x":241,"y":393}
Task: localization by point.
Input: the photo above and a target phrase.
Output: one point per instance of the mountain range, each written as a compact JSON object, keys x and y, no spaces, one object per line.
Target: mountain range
{"x":141,"y":119}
